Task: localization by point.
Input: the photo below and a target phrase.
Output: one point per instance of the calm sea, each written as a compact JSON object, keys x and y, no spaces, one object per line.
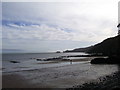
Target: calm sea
{"x":28,"y":61}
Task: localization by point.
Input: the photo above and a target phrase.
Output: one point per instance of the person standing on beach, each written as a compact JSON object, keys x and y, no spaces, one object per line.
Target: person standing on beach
{"x":70,"y":61}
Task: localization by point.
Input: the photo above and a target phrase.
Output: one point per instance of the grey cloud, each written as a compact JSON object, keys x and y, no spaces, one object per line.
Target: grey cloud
{"x":72,"y":22}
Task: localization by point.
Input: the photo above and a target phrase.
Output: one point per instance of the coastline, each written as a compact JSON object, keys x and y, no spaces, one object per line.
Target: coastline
{"x":57,"y":77}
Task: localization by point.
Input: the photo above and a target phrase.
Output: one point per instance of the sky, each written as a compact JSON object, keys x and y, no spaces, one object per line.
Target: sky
{"x":118,"y":12}
{"x":51,"y":26}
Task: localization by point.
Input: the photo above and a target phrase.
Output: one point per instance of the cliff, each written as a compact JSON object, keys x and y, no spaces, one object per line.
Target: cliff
{"x":110,"y":46}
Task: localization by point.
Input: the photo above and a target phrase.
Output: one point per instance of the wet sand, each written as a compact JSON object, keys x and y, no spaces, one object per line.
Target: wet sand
{"x":110,"y":82}
{"x":15,"y":81}
{"x":57,"y":77}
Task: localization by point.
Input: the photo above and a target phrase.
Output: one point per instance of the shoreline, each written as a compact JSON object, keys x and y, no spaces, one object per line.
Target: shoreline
{"x":57,"y":77}
{"x":44,"y":64}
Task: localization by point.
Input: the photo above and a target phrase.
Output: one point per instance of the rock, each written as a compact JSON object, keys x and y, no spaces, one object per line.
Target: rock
{"x":114,"y":59}
{"x":115,"y":88}
{"x":58,"y":52}
{"x":14,"y":62}
{"x":99,"y":61}
{"x":109,"y":60}
{"x":49,"y":59}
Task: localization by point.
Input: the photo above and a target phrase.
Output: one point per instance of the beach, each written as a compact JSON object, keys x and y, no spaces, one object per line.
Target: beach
{"x":109,"y":82}
{"x":60,"y":44}
{"x":63,"y":76}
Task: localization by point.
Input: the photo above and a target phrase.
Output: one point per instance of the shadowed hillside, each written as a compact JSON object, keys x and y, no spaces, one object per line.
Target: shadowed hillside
{"x":110,"y":46}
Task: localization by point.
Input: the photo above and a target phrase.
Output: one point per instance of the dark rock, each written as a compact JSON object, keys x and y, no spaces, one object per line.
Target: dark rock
{"x":99,"y":61}
{"x":114,"y":59}
{"x":115,"y":88}
{"x":109,"y":60}
{"x":14,"y":62}
{"x":58,"y":52}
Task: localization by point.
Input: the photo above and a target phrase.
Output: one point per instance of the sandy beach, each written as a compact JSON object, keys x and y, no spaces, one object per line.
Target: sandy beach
{"x":57,"y":77}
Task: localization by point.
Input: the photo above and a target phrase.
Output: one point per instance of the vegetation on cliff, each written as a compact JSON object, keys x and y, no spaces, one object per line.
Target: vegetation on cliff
{"x":110,"y":46}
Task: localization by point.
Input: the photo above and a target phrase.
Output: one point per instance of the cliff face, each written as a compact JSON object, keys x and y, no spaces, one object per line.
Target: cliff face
{"x":110,"y":46}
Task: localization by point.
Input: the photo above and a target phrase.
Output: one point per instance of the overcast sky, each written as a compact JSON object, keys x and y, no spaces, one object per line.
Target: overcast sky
{"x":51,"y":26}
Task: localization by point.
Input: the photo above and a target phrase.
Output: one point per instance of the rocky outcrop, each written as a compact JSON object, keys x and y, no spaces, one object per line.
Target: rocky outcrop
{"x":109,"y":60}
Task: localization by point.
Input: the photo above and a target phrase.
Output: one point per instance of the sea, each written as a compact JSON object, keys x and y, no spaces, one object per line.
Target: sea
{"x":27,"y":61}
